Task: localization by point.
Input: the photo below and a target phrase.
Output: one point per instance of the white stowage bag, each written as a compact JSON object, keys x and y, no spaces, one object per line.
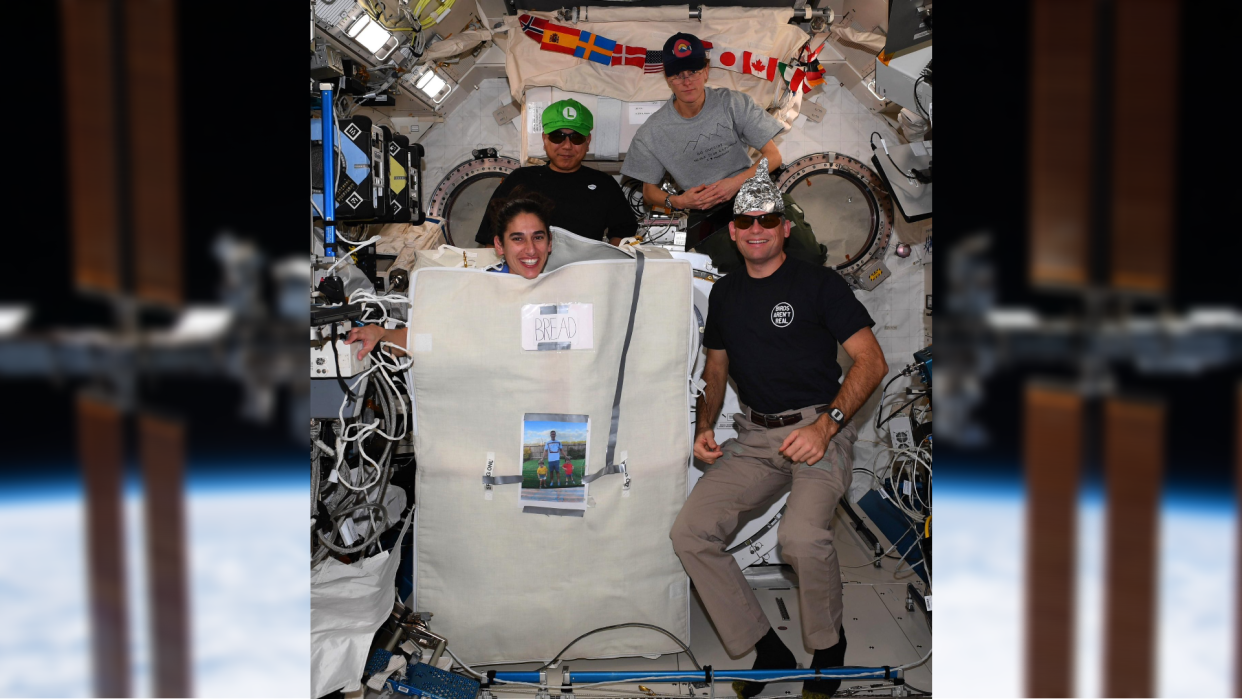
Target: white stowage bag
{"x":509,"y":586}
{"x":348,"y":604}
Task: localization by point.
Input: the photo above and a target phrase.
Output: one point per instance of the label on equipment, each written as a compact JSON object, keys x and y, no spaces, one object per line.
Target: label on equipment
{"x":637,"y":112}
{"x":927,"y":600}
{"x":491,"y":463}
{"x":534,"y":114}
{"x":558,"y":326}
{"x":905,"y":487}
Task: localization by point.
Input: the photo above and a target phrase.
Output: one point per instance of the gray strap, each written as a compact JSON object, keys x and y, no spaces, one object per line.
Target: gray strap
{"x":552,"y":511}
{"x":616,"y":399}
{"x":609,"y":469}
{"x":501,"y":480}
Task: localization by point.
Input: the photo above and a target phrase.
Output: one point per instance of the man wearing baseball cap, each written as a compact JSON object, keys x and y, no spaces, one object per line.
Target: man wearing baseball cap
{"x":587,"y":202}
{"x":700,"y":138}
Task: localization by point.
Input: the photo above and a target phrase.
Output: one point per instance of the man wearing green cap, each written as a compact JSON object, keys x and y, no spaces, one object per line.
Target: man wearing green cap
{"x":588,"y":202}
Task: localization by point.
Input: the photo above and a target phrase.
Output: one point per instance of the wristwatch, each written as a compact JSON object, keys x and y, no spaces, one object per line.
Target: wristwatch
{"x":668,"y":202}
{"x":837,"y":416}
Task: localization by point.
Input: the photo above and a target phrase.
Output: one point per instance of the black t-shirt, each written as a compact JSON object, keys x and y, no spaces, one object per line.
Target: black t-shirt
{"x":781,"y":333}
{"x":588,"y":202}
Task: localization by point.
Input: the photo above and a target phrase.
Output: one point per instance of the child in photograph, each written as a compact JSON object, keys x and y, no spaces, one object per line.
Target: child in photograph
{"x":543,"y":475}
{"x":569,"y":471}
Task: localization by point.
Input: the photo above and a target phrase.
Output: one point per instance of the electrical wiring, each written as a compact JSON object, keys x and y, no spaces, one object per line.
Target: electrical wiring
{"x":362,"y":296}
{"x":464,"y":666}
{"x":871,"y":142}
{"x":367,"y":541}
{"x":437,"y":15}
{"x":898,"y":410}
{"x":893,"y":481}
{"x":378,"y":16}
{"x":884,"y":555}
{"x":613,"y":627}
{"x":917,"y":103}
{"x":370,"y":241}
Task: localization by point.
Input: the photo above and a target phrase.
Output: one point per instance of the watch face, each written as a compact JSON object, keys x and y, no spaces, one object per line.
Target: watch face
{"x":836,"y":414}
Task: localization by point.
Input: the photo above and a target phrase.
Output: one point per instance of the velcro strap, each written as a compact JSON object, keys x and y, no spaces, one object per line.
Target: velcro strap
{"x":501,"y":480}
{"x":606,"y":471}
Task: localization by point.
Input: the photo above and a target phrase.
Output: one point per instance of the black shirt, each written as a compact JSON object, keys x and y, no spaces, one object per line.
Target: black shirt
{"x":588,"y":202}
{"x":781,"y":333}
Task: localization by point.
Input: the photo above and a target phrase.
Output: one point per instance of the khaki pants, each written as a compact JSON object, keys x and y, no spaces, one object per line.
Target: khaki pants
{"x":751,"y":472}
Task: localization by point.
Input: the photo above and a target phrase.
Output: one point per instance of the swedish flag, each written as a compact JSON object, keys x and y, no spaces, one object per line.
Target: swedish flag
{"x":595,"y":48}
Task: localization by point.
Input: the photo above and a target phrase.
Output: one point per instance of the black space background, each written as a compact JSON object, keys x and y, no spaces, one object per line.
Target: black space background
{"x":983,"y":60}
{"x":243,"y":109}
{"x":243,"y":96}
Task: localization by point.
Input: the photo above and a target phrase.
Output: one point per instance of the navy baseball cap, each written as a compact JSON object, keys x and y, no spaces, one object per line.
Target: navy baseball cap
{"x":683,"y":52}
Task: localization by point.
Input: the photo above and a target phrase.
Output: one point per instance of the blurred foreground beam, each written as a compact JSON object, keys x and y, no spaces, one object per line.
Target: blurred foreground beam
{"x":1144,"y":144}
{"x":1237,"y":636}
{"x":1133,"y":464}
{"x":101,"y":451}
{"x":1062,"y":68}
{"x":1052,"y":454}
{"x":154,"y":149}
{"x":161,"y":445}
{"x":90,"y":132}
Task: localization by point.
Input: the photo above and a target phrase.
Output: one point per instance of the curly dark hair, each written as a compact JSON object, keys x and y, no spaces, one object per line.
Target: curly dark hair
{"x":520,"y":201}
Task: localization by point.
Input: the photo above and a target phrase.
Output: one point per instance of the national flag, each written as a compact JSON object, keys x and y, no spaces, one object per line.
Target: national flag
{"x":815,"y":79}
{"x":533,"y":26}
{"x":633,"y":56}
{"x":727,"y":59}
{"x":654,"y":62}
{"x":795,"y":77}
{"x":759,"y":66}
{"x":594,"y":47}
{"x":560,"y":39}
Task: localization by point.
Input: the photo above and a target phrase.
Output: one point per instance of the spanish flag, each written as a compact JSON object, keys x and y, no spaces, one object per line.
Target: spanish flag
{"x":560,"y":39}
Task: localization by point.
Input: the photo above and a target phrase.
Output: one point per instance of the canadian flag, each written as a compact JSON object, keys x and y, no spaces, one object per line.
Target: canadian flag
{"x":744,"y":62}
{"x":759,"y":66}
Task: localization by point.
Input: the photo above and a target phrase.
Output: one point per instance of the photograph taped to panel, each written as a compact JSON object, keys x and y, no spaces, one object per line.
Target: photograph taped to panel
{"x":554,"y":460}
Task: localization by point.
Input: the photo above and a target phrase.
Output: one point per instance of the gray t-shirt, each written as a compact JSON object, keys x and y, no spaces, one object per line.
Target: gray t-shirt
{"x":702,"y":150}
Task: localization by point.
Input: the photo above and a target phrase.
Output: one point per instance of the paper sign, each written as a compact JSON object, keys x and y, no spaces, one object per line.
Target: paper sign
{"x":637,"y":112}
{"x":557,"y":326}
{"x":534,"y":117}
{"x":505,"y":113}
{"x":813,"y":111}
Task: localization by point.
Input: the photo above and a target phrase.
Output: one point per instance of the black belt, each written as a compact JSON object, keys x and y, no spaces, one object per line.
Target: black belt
{"x":774,"y":421}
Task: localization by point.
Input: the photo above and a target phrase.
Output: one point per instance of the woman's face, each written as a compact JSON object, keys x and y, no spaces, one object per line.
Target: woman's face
{"x":525,"y":245}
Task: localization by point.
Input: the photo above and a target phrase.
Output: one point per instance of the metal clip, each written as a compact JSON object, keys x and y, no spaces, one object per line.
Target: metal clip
{"x":543,"y":685}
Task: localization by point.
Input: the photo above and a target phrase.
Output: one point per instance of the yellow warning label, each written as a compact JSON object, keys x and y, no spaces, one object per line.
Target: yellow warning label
{"x":396,"y":176}
{"x":876,"y":275}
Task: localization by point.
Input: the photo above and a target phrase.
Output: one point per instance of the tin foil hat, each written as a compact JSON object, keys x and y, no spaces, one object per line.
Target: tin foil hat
{"x":759,"y":193}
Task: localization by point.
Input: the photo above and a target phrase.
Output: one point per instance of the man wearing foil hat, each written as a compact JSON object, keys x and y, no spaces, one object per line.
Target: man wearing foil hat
{"x":588,"y":202}
{"x":700,"y":137}
{"x":773,"y":326}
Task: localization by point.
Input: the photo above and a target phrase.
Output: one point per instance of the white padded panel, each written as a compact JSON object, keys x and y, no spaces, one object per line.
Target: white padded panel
{"x":507,"y":586}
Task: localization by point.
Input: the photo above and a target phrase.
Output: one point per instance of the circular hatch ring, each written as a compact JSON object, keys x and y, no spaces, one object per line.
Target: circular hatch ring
{"x":862,"y":177}
{"x":457,"y":181}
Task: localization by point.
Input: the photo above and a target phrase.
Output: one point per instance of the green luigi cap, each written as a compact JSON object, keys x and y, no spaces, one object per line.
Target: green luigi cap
{"x":568,"y":114}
